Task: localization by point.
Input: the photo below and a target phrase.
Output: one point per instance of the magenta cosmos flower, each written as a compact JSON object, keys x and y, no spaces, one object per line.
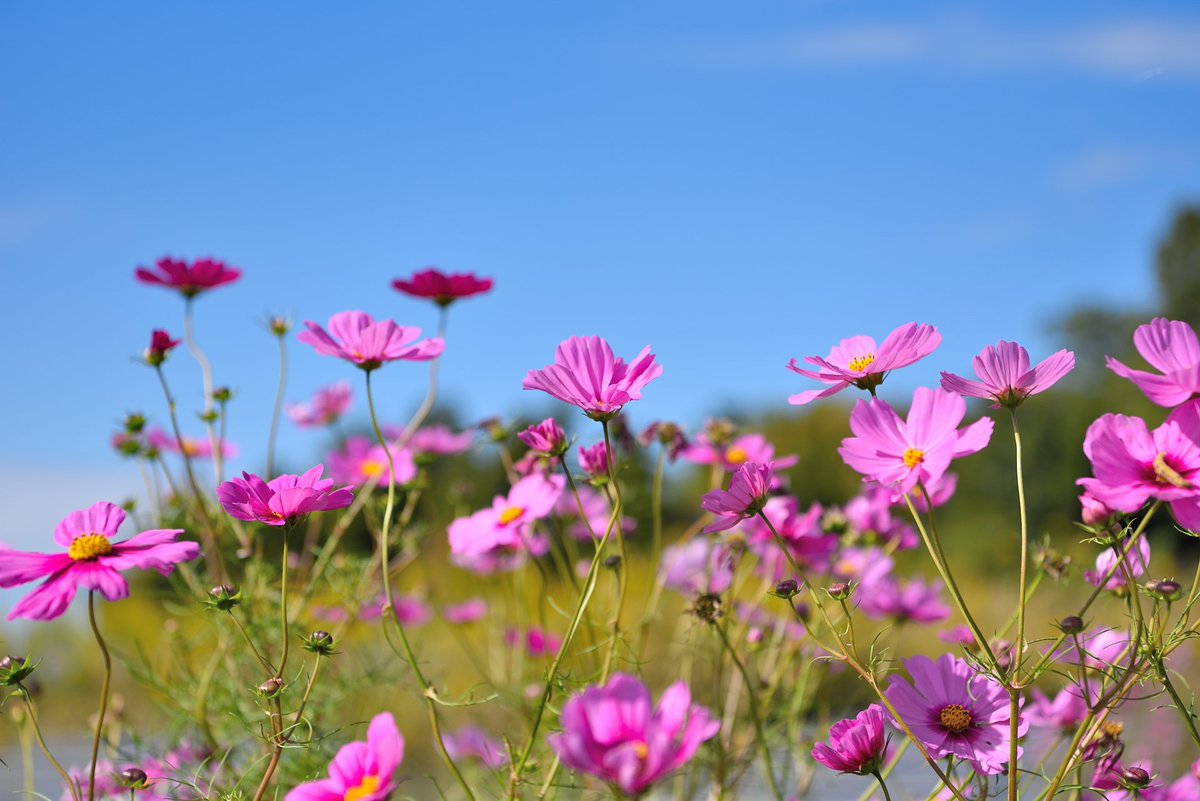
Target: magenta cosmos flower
{"x":326,"y":407}
{"x":857,"y":361}
{"x":743,"y":449}
{"x":361,"y":459}
{"x":468,"y":611}
{"x":545,"y":438}
{"x":442,"y":289}
{"x":747,"y":493}
{"x":955,"y":711}
{"x":1171,"y":347}
{"x":357,"y":338}
{"x":435,"y":440}
{"x":913,"y":601}
{"x":92,"y":561}
{"x":361,"y":771}
{"x":505,"y":527}
{"x":857,"y":745}
{"x":1005,"y":377}
{"x":586,"y":374}
{"x":188,"y":280}
{"x":1132,"y":464}
{"x":616,"y":734}
{"x":283,"y":500}
{"x":161,"y":345}
{"x":472,"y":742}
{"x":900,"y":453}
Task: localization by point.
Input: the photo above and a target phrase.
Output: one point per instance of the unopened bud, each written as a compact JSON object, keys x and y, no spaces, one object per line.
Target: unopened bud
{"x":133,"y":779}
{"x":1135,"y":778}
{"x":1171,"y":590}
{"x":279,"y":326}
{"x":134,"y":423}
{"x":223,"y":597}
{"x":786,"y":589}
{"x":222,"y":394}
{"x":13,"y":669}
{"x":210,"y":416}
{"x":839,"y":590}
{"x":319,"y":642}
{"x":271,"y":687}
{"x":613,"y":562}
{"x":1072,"y":624}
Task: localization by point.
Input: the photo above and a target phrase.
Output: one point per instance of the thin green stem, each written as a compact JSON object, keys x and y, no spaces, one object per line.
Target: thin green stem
{"x":278,"y":409}
{"x":751,"y":696}
{"x":1014,"y":694}
{"x":283,"y":608}
{"x":37,"y":731}
{"x":623,"y":572}
{"x":104,"y":688}
{"x":1185,"y":712}
{"x":883,"y":786}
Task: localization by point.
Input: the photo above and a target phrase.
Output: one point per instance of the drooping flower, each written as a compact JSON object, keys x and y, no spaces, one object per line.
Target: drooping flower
{"x":545,"y":438}
{"x":910,"y":601}
{"x":361,"y":771}
{"x":442,"y":289}
{"x":586,"y":374}
{"x":284,"y":500}
{"x":361,"y":459}
{"x":468,"y":611}
{"x":1171,"y":347}
{"x":857,"y":361}
{"x":357,"y":338}
{"x":160,"y":346}
{"x":615,"y":733}
{"x":92,"y":561}
{"x":188,"y":280}
{"x":1005,"y":377}
{"x":1137,"y":562}
{"x":747,"y":493}
{"x":326,"y":407}
{"x":899,"y":453}
{"x":856,"y":745}
{"x":955,"y":711}
{"x":504,"y":528}
{"x":1132,"y":464}
{"x":472,"y":742}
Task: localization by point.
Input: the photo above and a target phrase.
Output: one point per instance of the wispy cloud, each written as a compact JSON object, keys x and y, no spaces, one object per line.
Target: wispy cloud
{"x":1130,"y":49}
{"x":1108,"y":165}
{"x":23,"y":222}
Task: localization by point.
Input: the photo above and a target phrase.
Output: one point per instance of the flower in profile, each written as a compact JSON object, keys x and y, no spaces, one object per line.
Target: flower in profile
{"x":615,"y":733}
{"x":856,"y":745}
{"x":192,"y":447}
{"x":431,"y":441}
{"x":731,"y":456}
{"x":545,"y":438}
{"x":857,"y":361}
{"x":955,"y":711}
{"x":468,"y":611}
{"x":1132,"y":464}
{"x":1137,"y":563}
{"x":586,"y":374}
{"x":361,"y":459}
{"x":902,"y":453}
{"x":188,"y":280}
{"x":1005,"y":377}
{"x":357,"y":338}
{"x":92,"y":561}
{"x":442,"y":289}
{"x":472,"y":742}
{"x":1066,"y":711}
{"x":326,"y":407}
{"x":1171,"y":347}
{"x":747,"y":493}
{"x":504,"y":528}
{"x":594,"y":461}
{"x":283,"y":500}
{"x":160,"y":346}
{"x":913,"y":601}
{"x":361,"y":771}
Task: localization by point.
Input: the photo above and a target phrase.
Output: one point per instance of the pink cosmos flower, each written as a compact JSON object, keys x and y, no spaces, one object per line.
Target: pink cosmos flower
{"x":1093,"y":512}
{"x":1171,"y":347}
{"x":867,"y":567}
{"x":436,"y":440}
{"x":440,"y":288}
{"x":596,"y":512}
{"x":92,"y":561}
{"x":504,"y":528}
{"x":857,"y":361}
{"x":358,"y":339}
{"x":326,"y":407}
{"x":361,"y":459}
{"x":594,"y":460}
{"x":283,"y":500}
{"x":899,"y":453}
{"x":191,"y":280}
{"x":959,"y":635}
{"x":1066,"y":711}
{"x":809,"y":545}
{"x":956,"y":711}
{"x":1005,"y":377}
{"x":937,"y":493}
{"x":870,"y":516}
{"x":616,"y":734}
{"x":745,"y":497}
{"x":538,"y":644}
{"x":193,"y":448}
{"x":586,"y":374}
{"x":856,"y":745}
{"x":1138,"y":561}
{"x":913,"y":601}
{"x":743,"y":449}
{"x":468,"y":611}
{"x":1132,"y":464}
{"x":545,"y":438}
{"x":361,"y":771}
{"x":699,"y":566}
{"x":160,"y":345}
{"x":410,"y":610}
{"x":472,"y":742}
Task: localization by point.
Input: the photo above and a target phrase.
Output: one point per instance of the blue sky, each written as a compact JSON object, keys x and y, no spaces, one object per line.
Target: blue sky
{"x":735,"y":184}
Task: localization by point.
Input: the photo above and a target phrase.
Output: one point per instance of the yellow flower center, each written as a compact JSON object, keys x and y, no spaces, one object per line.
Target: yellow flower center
{"x":736,"y":455}
{"x":89,"y":547}
{"x":641,"y":749}
{"x":860,"y":363}
{"x":189,"y":447}
{"x":913,"y":457}
{"x":370,"y":468}
{"x":1167,"y":474}
{"x":510,"y":514}
{"x":955,"y":718}
{"x":364,"y":789}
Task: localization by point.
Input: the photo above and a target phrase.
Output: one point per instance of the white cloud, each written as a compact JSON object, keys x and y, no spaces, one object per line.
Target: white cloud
{"x":1108,"y":165}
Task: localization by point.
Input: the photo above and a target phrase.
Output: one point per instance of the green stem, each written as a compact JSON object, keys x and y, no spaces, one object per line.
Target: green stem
{"x":37,"y":731}
{"x":623,"y":573}
{"x":104,"y":688}
{"x":278,"y":410}
{"x":283,"y":609}
{"x":1185,"y":712}
{"x":883,"y":786}
{"x":1014,"y":694}
{"x":752,"y":697}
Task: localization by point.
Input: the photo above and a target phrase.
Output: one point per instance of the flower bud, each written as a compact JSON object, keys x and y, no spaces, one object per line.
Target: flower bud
{"x":1168,"y":589}
{"x":279,"y":326}
{"x":840,"y":590}
{"x":786,"y":589}
{"x":613,"y":562}
{"x":223,"y":597}
{"x":1072,"y":624}
{"x":1053,"y":563}
{"x":708,"y":607}
{"x":211,"y":416}
{"x":160,"y":345}
{"x":1135,"y":778}
{"x":14,"y":669}
{"x":320,"y":643}
{"x":133,"y":779}
{"x":271,"y":687}
{"x":134,"y":422}
{"x":222,"y":394}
